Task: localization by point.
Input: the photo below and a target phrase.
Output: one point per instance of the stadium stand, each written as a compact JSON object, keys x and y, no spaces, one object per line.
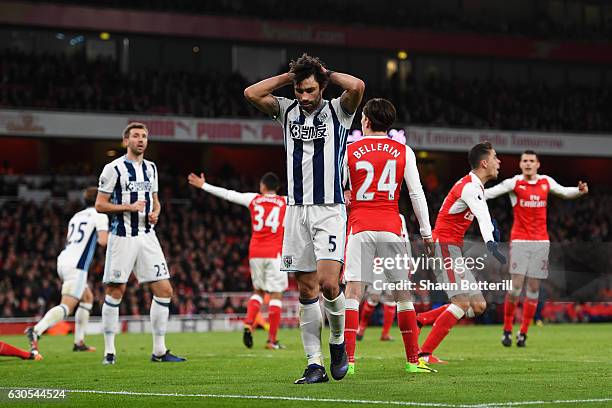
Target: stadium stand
{"x":60,"y":82}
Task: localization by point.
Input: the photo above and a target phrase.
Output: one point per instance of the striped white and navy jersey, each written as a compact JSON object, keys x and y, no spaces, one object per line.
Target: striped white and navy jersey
{"x":315,"y":145}
{"x":127,"y":182}
{"x":82,"y":238}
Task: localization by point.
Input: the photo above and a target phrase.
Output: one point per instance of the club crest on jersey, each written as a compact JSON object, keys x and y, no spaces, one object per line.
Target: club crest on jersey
{"x":134,"y":186}
{"x":287,"y":261}
{"x":306,"y":133}
{"x":544,"y":187}
{"x":322,"y":116}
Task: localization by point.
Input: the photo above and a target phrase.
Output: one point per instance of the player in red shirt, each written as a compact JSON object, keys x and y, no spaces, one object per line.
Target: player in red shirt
{"x":376,"y":166}
{"x":529,"y":237}
{"x":463,"y":203}
{"x":267,"y":219}
{"x":12,"y":351}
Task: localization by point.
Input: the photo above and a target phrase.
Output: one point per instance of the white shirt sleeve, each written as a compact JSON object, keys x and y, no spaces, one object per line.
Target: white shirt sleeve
{"x":283,"y":104}
{"x":346,"y":180}
{"x":474,"y":198}
{"x":155,"y":178}
{"x":505,"y":187}
{"x":107,"y":180}
{"x":101,"y":222}
{"x":561,"y":191}
{"x":345,"y":118}
{"x":417,"y":195}
{"x":230,"y":195}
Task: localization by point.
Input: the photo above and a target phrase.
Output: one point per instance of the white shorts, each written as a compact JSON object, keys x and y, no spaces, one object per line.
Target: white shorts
{"x":266,"y":274}
{"x":452,"y":270}
{"x":74,"y":281}
{"x":365,"y":248}
{"x":313,"y":233}
{"x":529,"y":258}
{"x":141,"y":254}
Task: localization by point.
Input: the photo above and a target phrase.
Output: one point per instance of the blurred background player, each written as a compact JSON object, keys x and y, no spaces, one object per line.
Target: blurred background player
{"x":464,"y":202}
{"x":11,"y":351}
{"x":376,"y":166}
{"x":267,"y":220}
{"x":128,"y":191}
{"x":530,"y":245}
{"x":373,"y":297}
{"x":315,"y":133}
{"x":85,"y":229}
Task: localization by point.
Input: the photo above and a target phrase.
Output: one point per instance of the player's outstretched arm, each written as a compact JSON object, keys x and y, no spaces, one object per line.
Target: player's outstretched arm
{"x":104,"y":206}
{"x":353,"y":90}
{"x":567,"y":192}
{"x":229,"y":195}
{"x":474,"y":198}
{"x":502,"y":188}
{"x":260,"y":94}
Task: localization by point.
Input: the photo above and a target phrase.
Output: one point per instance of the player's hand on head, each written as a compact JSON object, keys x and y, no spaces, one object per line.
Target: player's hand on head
{"x":428,"y":244}
{"x":583,"y":187}
{"x":195,"y":180}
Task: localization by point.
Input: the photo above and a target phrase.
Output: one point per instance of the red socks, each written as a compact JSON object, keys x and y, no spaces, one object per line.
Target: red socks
{"x":366,"y":313}
{"x":253,"y":307}
{"x":388,"y":318}
{"x":529,"y":309}
{"x":406,"y":320}
{"x":427,"y":318}
{"x":351,"y":324}
{"x":8,"y":350}
{"x":274,"y":317}
{"x":443,"y":324}
{"x":509,"y":308}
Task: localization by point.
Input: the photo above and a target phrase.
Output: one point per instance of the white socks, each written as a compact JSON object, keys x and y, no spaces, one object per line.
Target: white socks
{"x":334,"y":309}
{"x":81,"y":318}
{"x":110,"y":322}
{"x":311,"y":323}
{"x":160,"y":309}
{"x":53,"y":315}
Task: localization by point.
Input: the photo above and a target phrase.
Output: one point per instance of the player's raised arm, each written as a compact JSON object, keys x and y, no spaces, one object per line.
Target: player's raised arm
{"x":229,"y":195}
{"x":353,"y":90}
{"x":260,"y":94}
{"x":417,"y":195}
{"x":502,"y":188}
{"x":567,"y":192}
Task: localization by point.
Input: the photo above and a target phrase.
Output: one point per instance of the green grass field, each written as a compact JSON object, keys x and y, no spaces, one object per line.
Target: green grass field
{"x":561,"y":362}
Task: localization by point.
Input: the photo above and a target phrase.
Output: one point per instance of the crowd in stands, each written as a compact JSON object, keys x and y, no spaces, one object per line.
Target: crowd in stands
{"x":59,"y":82}
{"x":205,"y":240}
{"x":402,"y":16}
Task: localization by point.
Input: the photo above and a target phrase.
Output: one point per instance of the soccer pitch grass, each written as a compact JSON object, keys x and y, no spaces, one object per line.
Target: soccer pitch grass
{"x":562,"y":365}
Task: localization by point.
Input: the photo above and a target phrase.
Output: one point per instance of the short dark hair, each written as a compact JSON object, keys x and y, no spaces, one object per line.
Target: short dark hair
{"x":381,"y":114}
{"x":531,"y":152}
{"x":307,"y":65}
{"x":134,"y":125}
{"x":271,"y":181}
{"x":89,"y":196}
{"x":478,"y":153}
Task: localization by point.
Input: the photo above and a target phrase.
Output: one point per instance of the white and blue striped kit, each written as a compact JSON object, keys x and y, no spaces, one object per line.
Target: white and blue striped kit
{"x":82,"y":238}
{"x":127,"y":182}
{"x":315,"y":146}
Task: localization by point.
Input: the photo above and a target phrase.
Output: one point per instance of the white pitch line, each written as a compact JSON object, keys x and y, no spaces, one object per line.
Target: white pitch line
{"x":331,"y":400}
